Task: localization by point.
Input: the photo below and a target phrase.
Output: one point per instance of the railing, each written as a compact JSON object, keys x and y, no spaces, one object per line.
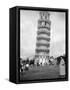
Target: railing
{"x":41,"y":44}
{"x":43,"y":38}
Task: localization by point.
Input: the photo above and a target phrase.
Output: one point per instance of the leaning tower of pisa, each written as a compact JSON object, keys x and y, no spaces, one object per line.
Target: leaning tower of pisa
{"x":43,"y":38}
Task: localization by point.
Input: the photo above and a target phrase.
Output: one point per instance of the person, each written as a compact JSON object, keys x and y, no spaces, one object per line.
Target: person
{"x":62,"y":68}
{"x":27,"y":67}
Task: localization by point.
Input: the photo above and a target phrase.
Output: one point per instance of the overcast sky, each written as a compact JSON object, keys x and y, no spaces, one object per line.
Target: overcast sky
{"x":28,"y":33}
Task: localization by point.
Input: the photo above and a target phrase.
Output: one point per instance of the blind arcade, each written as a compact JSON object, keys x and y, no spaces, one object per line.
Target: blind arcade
{"x":43,"y":38}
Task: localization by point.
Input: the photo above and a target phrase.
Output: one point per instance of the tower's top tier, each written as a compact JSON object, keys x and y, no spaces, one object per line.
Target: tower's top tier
{"x":45,"y":15}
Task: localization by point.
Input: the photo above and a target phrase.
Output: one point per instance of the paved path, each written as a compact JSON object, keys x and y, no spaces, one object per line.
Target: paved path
{"x":41,"y":72}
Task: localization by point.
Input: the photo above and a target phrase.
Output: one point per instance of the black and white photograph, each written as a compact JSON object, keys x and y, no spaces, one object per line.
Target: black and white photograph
{"x":34,"y":45}
{"x":42,"y":45}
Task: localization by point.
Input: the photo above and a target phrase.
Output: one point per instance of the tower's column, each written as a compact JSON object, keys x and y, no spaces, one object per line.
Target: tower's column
{"x":43,"y":38}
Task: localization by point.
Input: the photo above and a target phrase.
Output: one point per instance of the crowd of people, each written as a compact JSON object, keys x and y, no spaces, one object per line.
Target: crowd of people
{"x":25,"y":64}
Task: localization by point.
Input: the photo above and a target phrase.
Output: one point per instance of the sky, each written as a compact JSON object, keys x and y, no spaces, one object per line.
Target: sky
{"x":28,"y":33}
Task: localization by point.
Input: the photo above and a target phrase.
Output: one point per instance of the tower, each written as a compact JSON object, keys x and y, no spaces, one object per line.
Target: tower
{"x":43,"y":38}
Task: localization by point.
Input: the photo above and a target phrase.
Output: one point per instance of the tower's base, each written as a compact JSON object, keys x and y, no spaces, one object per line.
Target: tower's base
{"x":41,"y":60}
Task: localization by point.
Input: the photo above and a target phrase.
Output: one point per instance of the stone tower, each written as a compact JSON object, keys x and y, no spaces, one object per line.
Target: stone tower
{"x":43,"y":38}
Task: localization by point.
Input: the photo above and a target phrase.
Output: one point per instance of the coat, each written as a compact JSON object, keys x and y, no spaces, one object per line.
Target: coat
{"x":62,"y":67}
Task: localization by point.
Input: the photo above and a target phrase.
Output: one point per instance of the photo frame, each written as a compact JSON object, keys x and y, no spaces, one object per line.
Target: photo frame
{"x":38,"y":44}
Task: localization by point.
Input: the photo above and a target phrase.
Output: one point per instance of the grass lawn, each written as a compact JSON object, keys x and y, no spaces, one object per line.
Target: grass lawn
{"x":40,"y":72}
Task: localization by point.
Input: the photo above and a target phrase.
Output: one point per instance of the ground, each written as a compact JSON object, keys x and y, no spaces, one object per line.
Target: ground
{"x":40,"y":72}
